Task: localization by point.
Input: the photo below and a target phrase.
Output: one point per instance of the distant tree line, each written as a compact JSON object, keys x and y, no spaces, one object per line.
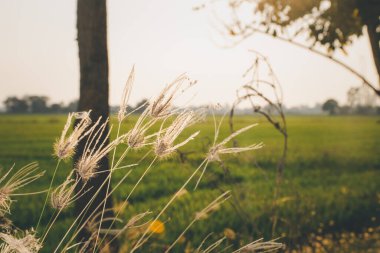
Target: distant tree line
{"x":40,"y":104}
{"x":332,"y":107}
{"x":36,"y":104}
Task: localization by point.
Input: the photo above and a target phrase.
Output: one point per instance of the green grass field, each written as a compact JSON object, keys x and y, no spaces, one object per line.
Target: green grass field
{"x":331,"y":182}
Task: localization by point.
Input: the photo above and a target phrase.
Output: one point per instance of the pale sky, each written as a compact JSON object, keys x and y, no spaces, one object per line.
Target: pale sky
{"x":39,"y":55}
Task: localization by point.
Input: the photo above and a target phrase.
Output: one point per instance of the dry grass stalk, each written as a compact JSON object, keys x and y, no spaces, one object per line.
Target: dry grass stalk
{"x":163,"y":146}
{"x":273,"y":111}
{"x":161,"y":106}
{"x":203,"y":214}
{"x":218,"y":149}
{"x":125,"y":97}
{"x":136,"y":137}
{"x":213,"y":206}
{"x":213,"y":246}
{"x":260,"y":246}
{"x":64,"y":195}
{"x":94,"y":227}
{"x":22,"y":177}
{"x":81,"y":215}
{"x":26,"y":244}
{"x":65,"y":146}
{"x":94,"y":152}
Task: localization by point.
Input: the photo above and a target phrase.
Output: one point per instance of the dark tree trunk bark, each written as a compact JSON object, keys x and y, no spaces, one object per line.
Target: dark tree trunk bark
{"x":93,"y":57}
{"x":371,"y":13}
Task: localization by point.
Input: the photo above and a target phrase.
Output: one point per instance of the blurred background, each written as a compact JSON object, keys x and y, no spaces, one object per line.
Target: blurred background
{"x":306,"y":71}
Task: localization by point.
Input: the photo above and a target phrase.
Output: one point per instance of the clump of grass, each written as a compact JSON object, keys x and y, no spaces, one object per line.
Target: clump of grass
{"x":162,"y":144}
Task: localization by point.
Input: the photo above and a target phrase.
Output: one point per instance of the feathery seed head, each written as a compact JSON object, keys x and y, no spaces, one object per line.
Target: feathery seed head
{"x":65,"y":146}
{"x":95,"y":150}
{"x":135,"y":139}
{"x":162,"y":148}
{"x":86,"y":167}
{"x":218,"y":149}
{"x":126,"y":93}
{"x":64,"y":195}
{"x":19,"y":179}
{"x":164,"y":143}
{"x":136,"y":136}
{"x":161,"y":106}
{"x":26,"y":244}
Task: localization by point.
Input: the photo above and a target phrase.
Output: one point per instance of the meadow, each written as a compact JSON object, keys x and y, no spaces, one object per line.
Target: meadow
{"x":331,"y":181}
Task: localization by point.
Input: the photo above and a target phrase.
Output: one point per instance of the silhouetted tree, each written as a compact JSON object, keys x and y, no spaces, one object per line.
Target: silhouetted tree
{"x":37,"y":104}
{"x":56,"y":108}
{"x":93,"y":58}
{"x":15,"y":105}
{"x":331,"y":106}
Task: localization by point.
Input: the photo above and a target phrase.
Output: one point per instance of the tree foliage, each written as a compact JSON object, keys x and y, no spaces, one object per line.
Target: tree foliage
{"x":15,"y":105}
{"x":331,"y":106}
{"x":332,"y":24}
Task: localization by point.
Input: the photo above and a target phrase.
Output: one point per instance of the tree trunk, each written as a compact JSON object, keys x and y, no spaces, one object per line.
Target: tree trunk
{"x":93,"y":58}
{"x":371,"y":15}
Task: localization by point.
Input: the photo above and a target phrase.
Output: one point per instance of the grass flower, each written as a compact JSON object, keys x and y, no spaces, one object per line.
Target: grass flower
{"x":136,"y":137}
{"x":88,"y":163}
{"x":64,"y":195}
{"x":164,"y":144}
{"x":126,"y":93}
{"x":218,"y":149}
{"x":65,"y":146}
{"x":160,"y":107}
{"x":26,"y":244}
{"x":24,"y":176}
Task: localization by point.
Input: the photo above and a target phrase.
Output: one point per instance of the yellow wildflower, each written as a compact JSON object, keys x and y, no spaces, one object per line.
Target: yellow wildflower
{"x":157,"y":227}
{"x":229,"y":233}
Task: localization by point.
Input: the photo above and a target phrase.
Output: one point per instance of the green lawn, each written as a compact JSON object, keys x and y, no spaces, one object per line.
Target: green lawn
{"x":331,"y":182}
